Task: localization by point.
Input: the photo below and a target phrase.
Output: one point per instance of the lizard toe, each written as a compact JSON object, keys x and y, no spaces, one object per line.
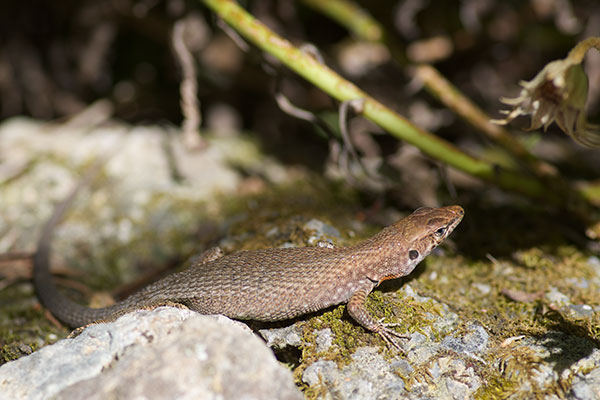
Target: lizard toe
{"x":391,"y":338}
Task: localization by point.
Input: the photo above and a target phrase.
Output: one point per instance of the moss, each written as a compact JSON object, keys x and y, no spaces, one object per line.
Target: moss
{"x":533,"y":269}
{"x":497,"y":388}
{"x":22,"y":326}
{"x":318,"y":391}
{"x":347,"y":336}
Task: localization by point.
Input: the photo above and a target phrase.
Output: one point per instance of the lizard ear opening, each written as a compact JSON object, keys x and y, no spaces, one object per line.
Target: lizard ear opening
{"x":413,"y":254}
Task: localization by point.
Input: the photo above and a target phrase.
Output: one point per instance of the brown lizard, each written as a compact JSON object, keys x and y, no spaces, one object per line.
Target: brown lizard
{"x":270,"y":284}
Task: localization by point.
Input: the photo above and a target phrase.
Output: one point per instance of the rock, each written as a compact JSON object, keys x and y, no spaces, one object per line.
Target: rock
{"x":582,"y":310}
{"x":320,"y":230}
{"x":160,"y":354}
{"x":586,"y":386}
{"x":324,"y":339}
{"x":429,"y":369}
{"x":473,"y":343}
{"x":557,"y":298}
{"x":369,"y":376}
{"x":282,"y":337}
{"x":483,"y":288}
{"x":554,"y":355}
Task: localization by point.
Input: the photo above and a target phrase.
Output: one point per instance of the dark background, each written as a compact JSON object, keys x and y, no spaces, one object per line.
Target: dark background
{"x":58,"y":57}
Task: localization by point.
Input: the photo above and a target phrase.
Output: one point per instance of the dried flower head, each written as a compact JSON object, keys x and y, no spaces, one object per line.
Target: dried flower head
{"x":557,"y":94}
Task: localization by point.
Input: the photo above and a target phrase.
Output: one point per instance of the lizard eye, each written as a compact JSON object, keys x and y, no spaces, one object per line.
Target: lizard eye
{"x":413,"y":254}
{"x":440,"y":232}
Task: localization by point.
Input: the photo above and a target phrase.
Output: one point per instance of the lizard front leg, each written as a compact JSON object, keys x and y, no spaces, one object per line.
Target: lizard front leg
{"x":358,"y":311}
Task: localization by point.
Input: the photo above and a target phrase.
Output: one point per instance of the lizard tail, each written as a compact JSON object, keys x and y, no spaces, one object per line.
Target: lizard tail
{"x":66,"y":310}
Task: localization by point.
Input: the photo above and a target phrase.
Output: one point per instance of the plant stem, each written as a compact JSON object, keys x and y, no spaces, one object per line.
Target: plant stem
{"x":341,"y":89}
{"x":349,"y":15}
{"x":578,"y":52}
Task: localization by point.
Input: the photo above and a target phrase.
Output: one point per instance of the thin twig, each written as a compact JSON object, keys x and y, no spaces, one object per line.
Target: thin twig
{"x":188,"y":89}
{"x":356,"y":106}
{"x":233,"y":35}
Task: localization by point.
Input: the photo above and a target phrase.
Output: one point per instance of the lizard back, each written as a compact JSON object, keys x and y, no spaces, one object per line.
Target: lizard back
{"x":266,"y":285}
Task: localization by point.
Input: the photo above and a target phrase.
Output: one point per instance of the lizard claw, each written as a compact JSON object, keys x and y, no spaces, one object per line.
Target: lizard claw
{"x":77,"y":331}
{"x":386,"y":325}
{"x":391,"y":337}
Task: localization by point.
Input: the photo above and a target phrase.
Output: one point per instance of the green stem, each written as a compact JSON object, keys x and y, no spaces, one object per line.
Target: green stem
{"x":349,"y":15}
{"x":341,"y":89}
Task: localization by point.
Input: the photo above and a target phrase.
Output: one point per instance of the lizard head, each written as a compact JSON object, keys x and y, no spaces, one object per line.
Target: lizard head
{"x":406,"y":243}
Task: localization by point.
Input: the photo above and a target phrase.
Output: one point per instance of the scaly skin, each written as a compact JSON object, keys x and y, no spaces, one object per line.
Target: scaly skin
{"x":271,"y":284}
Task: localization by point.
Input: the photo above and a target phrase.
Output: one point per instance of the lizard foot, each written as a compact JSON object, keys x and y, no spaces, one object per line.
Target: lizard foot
{"x":76,"y":332}
{"x":391,"y":337}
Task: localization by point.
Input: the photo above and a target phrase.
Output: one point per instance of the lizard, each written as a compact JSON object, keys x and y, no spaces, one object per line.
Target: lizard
{"x":270,"y":284}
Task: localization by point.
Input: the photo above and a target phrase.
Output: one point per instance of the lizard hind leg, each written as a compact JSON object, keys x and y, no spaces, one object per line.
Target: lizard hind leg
{"x":114,"y":316}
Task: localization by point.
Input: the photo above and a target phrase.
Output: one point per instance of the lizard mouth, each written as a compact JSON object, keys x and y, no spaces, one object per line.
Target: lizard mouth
{"x":458,"y":210}
{"x":459,"y":213}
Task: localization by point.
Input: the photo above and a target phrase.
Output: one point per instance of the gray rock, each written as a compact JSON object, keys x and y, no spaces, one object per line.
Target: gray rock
{"x":580,"y":283}
{"x":324,"y":339}
{"x":320,"y":371}
{"x":566,"y":306}
{"x":428,"y":367}
{"x":320,"y":231}
{"x":161,"y":354}
{"x":557,"y":298}
{"x":586,"y":387}
{"x":369,"y":376}
{"x":474,"y":342}
{"x":594,"y":262}
{"x":582,"y":310}
{"x":282,"y":337}
{"x":451,"y":379}
{"x":483,"y":288}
